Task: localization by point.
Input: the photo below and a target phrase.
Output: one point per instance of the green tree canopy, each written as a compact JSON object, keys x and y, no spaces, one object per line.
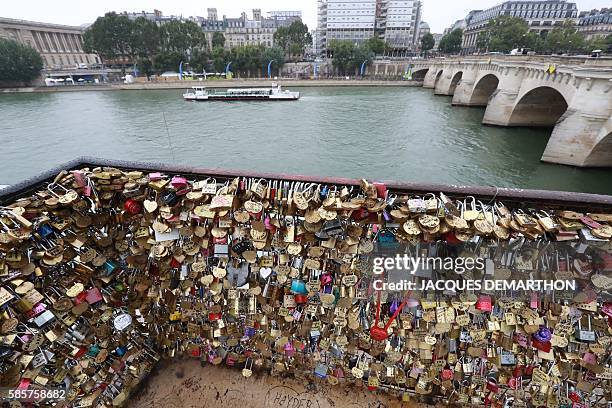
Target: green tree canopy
{"x":564,"y":39}
{"x":145,"y":37}
{"x":110,"y":37}
{"x":348,"y":57}
{"x":182,"y":36}
{"x":218,"y":39}
{"x":168,"y":61}
{"x":199,"y":60}
{"x":376,"y":45}
{"x":451,"y":42}
{"x":600,"y":43}
{"x":504,"y":33}
{"x":427,"y":42}
{"x":220,"y":57}
{"x":18,"y":62}
{"x":273,"y":53}
{"x":294,"y":38}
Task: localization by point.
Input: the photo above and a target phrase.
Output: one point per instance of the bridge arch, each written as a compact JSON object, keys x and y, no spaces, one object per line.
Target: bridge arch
{"x":419,"y":74}
{"x":438,"y":76}
{"x":483,"y":89}
{"x":601,"y":154}
{"x":541,"y":106}
{"x":454,"y":82}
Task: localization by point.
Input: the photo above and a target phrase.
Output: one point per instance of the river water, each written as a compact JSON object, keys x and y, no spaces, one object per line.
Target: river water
{"x":404,"y":134}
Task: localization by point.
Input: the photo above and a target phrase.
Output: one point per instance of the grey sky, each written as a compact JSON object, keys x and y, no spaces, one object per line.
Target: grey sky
{"x":438,"y":13}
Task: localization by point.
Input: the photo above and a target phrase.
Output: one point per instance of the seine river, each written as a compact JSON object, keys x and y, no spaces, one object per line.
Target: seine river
{"x":404,"y":134}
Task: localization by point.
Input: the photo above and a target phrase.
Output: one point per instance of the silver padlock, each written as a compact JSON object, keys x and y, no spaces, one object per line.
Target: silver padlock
{"x":586,"y":335}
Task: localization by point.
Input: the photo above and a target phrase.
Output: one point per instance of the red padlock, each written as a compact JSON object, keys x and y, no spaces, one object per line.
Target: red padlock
{"x":518,"y":371}
{"x":132,"y":206}
{"x":447,"y":374}
{"x":381,"y":190}
{"x":492,"y":385}
{"x":174,"y":263}
{"x":544,"y":346}
{"x":300,"y":299}
{"x":451,"y":238}
{"x":574,"y":397}
{"x":214,"y":316}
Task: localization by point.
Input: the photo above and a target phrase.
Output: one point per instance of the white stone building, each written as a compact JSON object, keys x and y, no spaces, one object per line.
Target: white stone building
{"x":394,"y":21}
{"x":541,"y":16}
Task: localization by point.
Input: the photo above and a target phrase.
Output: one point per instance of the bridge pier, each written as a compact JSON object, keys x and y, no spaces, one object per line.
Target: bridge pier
{"x":500,"y":106}
{"x":465,"y":88}
{"x":583,"y":135}
{"x":430,"y":77}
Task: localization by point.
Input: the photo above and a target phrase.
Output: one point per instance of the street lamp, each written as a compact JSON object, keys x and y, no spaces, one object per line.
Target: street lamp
{"x":362,"y":71}
{"x":270,"y":69}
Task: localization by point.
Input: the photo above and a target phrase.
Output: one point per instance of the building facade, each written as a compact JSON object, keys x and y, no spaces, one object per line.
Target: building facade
{"x":243,"y":31}
{"x":595,"y":23}
{"x":423,"y":30}
{"x":541,"y":16}
{"x":402,"y":23}
{"x":394,"y":21}
{"x":60,"y":46}
{"x":289,"y":16}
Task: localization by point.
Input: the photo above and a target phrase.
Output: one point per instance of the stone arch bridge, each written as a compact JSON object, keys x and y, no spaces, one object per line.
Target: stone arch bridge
{"x":571,"y":95}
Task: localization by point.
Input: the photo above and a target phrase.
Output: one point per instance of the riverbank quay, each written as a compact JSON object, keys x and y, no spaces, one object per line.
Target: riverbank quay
{"x":233,"y":83}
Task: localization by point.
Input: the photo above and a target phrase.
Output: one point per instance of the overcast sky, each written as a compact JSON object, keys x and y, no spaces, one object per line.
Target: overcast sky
{"x":438,"y":13}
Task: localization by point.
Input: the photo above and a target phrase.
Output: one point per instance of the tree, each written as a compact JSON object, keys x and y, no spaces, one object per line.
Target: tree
{"x":361,"y":54}
{"x":220,"y":58}
{"x":347,"y":57}
{"x":293,"y":39}
{"x":600,"y":43}
{"x":18,"y":62}
{"x":218,"y":39}
{"x":199,"y":60}
{"x":342,"y":53}
{"x":145,"y":65}
{"x":564,"y":39}
{"x":145,"y":38}
{"x":110,"y":37}
{"x":376,"y":45}
{"x":168,"y":60}
{"x":504,"y":33}
{"x":273,"y":53}
{"x":182,"y":36}
{"x":427,"y":42}
{"x":451,"y":42}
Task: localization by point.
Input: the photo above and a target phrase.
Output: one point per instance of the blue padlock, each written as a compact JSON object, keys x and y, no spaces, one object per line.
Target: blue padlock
{"x":298,"y":287}
{"x":45,"y":230}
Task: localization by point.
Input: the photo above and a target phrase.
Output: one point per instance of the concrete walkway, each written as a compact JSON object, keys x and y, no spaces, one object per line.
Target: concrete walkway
{"x":234,"y":83}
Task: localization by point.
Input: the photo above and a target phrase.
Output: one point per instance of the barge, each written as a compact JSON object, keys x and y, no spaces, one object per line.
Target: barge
{"x":274,"y":93}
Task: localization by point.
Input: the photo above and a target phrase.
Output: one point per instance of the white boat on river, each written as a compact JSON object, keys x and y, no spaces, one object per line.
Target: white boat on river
{"x":274,"y":93}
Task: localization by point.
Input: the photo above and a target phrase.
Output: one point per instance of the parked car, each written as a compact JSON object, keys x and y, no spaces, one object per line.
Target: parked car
{"x":82,"y":66}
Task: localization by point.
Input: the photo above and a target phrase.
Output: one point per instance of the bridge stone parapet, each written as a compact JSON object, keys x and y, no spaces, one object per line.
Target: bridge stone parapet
{"x":571,"y":95}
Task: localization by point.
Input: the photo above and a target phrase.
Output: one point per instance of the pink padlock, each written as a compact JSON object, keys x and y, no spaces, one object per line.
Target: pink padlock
{"x":589,"y":358}
{"x":484,"y":303}
{"x":338,"y":372}
{"x":93,"y":296}
{"x":155,"y":176}
{"x":178,"y":182}
{"x":289,"y":349}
